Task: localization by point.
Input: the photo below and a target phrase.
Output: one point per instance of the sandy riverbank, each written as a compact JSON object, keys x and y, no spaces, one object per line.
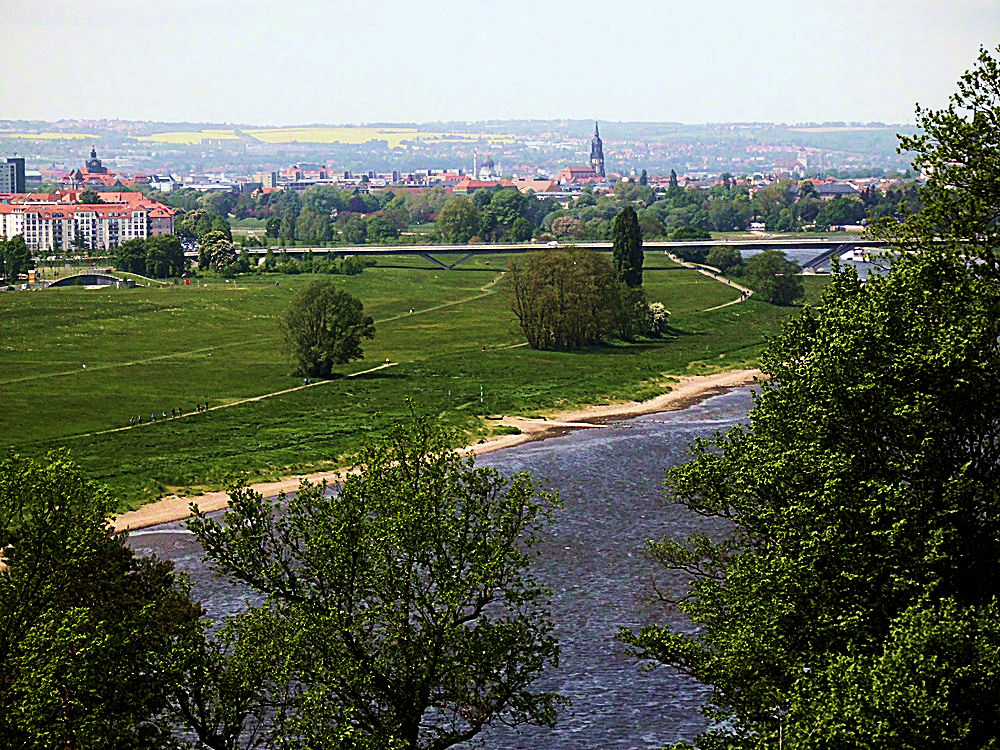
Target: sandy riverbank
{"x":684,"y":393}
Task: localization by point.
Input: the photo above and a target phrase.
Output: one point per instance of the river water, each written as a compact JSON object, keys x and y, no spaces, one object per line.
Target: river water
{"x":594,"y":562}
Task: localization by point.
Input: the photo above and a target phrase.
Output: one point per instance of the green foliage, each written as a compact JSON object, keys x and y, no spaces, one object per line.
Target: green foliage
{"x":568,"y":298}
{"x":726,"y":259}
{"x":774,"y":277}
{"x":88,"y":627}
{"x":458,"y":220}
{"x":89,"y":197}
{"x":626,"y":240}
{"x":15,"y":258}
{"x":690,"y":232}
{"x":850,"y":598}
{"x":401,"y":609}
{"x":958,"y":149}
{"x":323,"y":327}
{"x":355,"y":231}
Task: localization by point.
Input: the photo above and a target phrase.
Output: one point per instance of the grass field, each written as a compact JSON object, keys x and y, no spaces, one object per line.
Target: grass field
{"x":158,"y":348}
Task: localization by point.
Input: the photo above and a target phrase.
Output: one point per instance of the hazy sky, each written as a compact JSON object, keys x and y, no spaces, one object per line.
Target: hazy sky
{"x":332,"y":61}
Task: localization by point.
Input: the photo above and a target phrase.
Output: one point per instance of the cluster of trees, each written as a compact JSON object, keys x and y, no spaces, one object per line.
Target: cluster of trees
{"x":497,"y":215}
{"x":853,"y":598}
{"x":692,"y":213}
{"x":157,"y":257}
{"x":398,"y":613}
{"x":15,"y":258}
{"x":570,"y":297}
{"x":324,"y":214}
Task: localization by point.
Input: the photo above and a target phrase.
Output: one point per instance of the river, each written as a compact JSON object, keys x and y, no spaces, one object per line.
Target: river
{"x":594,"y":562}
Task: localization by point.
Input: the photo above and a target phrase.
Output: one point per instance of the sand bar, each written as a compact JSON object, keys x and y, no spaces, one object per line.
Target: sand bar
{"x":685,"y":392}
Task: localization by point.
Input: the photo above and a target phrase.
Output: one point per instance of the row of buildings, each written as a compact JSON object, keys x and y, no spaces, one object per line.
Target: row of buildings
{"x":59,"y":223}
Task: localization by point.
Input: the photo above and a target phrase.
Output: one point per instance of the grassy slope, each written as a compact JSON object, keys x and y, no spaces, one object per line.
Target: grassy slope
{"x":158,"y":348}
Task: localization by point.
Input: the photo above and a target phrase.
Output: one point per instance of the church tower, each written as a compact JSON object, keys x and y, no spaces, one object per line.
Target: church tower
{"x":597,"y":153}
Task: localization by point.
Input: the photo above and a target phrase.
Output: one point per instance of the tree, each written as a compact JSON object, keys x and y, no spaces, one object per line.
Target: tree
{"x":380,"y":229}
{"x":567,"y":298}
{"x":130,"y":256}
{"x":458,"y":220}
{"x":850,"y":596}
{"x":957,"y":149}
{"x":774,"y":277}
{"x":164,"y":257}
{"x":323,"y":327}
{"x":690,"y":232}
{"x":355,"y":231}
{"x":673,"y":185}
{"x":644,"y":178}
{"x":520,"y":230}
{"x":15,"y":258}
{"x":89,"y":197}
{"x":403,"y":607}
{"x":88,"y":629}
{"x":626,"y":240}
{"x":726,"y":259}
{"x":216,"y":253}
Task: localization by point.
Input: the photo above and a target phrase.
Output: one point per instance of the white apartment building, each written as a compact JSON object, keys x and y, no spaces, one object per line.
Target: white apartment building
{"x":60,"y":226}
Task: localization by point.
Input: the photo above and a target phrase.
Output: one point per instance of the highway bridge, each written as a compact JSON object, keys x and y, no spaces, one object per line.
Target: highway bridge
{"x":825,"y":248}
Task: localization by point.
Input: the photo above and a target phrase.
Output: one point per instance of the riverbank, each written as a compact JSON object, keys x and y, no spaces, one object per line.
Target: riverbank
{"x":686,"y":392}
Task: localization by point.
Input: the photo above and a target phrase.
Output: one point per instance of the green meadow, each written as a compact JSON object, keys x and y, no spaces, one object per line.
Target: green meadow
{"x":165,"y":347}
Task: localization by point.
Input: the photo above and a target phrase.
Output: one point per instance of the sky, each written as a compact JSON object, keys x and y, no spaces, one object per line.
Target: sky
{"x":334,"y":62}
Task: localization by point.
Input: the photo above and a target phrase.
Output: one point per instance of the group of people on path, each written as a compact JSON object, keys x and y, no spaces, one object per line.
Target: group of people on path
{"x":174,"y":413}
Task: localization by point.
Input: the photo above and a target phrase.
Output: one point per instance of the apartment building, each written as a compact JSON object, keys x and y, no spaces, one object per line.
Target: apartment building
{"x":57,"y":223}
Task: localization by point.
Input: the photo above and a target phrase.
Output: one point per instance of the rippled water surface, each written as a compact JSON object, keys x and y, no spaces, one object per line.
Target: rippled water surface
{"x":609,"y":481}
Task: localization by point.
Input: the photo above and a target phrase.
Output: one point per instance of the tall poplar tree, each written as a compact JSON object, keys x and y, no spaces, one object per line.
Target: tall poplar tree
{"x":626,"y":239}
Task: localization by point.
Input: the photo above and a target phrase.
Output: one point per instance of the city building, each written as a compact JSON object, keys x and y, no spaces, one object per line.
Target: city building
{"x":56,"y":223}
{"x":12,"y":176}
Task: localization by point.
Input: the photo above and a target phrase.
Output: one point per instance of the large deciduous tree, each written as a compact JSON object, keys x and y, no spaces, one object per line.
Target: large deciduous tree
{"x":958,"y":149}
{"x":773,"y":277}
{"x":852,"y":599}
{"x":401,"y":610}
{"x":458,"y":220}
{"x":323,"y":327}
{"x":626,"y":252}
{"x":87,"y":630}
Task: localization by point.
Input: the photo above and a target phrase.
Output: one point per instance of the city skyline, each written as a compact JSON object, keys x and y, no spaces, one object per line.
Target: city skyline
{"x":278,"y":64}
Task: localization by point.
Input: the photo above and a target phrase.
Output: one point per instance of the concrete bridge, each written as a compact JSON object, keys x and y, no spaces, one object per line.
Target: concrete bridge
{"x":825,"y":248}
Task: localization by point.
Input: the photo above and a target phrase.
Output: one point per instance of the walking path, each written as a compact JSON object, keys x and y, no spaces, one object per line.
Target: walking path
{"x":745,"y":293}
{"x":485,"y":291}
{"x":233,"y":403}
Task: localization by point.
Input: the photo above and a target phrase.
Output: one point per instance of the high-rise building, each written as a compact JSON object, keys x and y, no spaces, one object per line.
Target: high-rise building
{"x":597,"y":153}
{"x":12,"y":176}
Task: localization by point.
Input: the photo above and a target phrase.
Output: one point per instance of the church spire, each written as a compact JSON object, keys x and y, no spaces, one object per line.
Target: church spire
{"x":597,"y":153}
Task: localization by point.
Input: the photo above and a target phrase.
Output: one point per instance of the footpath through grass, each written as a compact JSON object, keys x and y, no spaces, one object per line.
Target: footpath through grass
{"x":159,"y":348}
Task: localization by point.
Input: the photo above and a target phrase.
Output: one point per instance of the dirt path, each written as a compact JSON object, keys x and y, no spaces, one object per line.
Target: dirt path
{"x":485,"y":291}
{"x":745,"y":293}
{"x":687,"y":391}
{"x":237,"y":403}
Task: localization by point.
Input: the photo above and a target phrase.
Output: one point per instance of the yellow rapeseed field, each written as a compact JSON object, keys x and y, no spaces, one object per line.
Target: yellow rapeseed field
{"x":356,"y":135}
